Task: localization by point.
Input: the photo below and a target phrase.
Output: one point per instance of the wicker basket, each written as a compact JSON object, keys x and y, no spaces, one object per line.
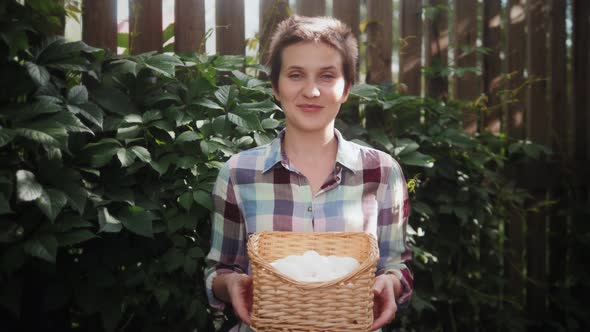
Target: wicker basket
{"x":283,"y":304}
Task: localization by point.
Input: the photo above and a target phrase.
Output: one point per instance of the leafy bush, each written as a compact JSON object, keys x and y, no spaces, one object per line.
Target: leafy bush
{"x":106,"y":165}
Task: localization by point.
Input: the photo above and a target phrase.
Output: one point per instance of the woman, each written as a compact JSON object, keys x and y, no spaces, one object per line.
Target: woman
{"x":309,"y":178}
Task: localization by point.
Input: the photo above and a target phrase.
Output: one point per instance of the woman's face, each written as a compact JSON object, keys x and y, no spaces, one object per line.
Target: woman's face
{"x":311,"y":86}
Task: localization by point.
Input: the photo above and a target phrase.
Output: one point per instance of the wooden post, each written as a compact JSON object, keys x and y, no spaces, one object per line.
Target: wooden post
{"x":230,"y":35}
{"x":311,"y":7}
{"x":272,"y":12}
{"x":581,"y":71}
{"x":558,"y":223}
{"x":437,"y":44}
{"x":411,"y":49}
{"x":537,"y":131}
{"x":492,"y":66}
{"x":515,"y":57}
{"x":99,"y":24}
{"x":466,"y":87}
{"x":145,"y":26}
{"x":189,"y":26}
{"x":348,"y":11}
{"x":514,"y":228}
{"x":379,"y":51}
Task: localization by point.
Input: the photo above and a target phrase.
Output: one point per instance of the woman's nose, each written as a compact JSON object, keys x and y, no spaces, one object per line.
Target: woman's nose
{"x":311,"y":90}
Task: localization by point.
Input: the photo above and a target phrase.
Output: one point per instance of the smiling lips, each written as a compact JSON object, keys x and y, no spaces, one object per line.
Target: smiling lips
{"x":310,"y":108}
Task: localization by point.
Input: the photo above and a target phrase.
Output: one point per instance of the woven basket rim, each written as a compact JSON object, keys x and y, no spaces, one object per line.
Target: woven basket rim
{"x":367,"y":264}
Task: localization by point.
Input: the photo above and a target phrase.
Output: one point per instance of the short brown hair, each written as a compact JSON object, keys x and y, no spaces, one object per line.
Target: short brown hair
{"x":328,"y":30}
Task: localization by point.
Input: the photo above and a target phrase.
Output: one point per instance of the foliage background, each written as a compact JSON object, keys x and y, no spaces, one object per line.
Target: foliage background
{"x":106,"y":165}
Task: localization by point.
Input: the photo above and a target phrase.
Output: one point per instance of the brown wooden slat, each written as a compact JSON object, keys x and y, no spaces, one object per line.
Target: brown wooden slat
{"x":311,"y":7}
{"x":230,"y":35}
{"x":581,"y":73}
{"x":379,"y":51}
{"x":537,"y":131}
{"x":189,"y":26}
{"x":411,"y":50}
{"x":99,"y":24}
{"x":145,"y":26}
{"x":515,"y":58}
{"x":348,"y":11}
{"x":492,"y":65}
{"x":271,"y":13}
{"x":466,"y":87}
{"x":437,"y":45}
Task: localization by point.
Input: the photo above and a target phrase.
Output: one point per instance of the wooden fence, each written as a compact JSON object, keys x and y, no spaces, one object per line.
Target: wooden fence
{"x":554,"y":111}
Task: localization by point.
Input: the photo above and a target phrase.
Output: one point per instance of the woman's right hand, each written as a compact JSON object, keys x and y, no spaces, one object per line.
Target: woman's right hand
{"x":239,"y":289}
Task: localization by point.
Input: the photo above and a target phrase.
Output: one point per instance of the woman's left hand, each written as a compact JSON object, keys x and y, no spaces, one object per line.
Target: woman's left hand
{"x":384,"y":306}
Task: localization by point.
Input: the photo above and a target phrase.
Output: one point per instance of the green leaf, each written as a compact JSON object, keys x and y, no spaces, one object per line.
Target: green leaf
{"x":225,"y":95}
{"x":101,"y":152}
{"x":187,"y":162}
{"x":416,"y":159}
{"x":113,"y":100}
{"x":51,"y":202}
{"x":69,"y":222}
{"x":187,"y":136}
{"x":27,"y":187}
{"x":4,"y":205}
{"x":162,"y":295}
{"x":141,"y":153}
{"x":6,"y":136}
{"x":247,"y":120}
{"x":39,"y":74}
{"x":186,"y":200}
{"x":92,"y":113}
{"x":380,"y":137}
{"x":405,"y":145}
{"x":270,"y":123}
{"x":78,"y":95}
{"x":138,"y":221}
{"x":263,"y":106}
{"x":262,"y":139}
{"x":365,"y":91}
{"x":74,"y":237}
{"x":207,"y":103}
{"x":37,"y":136}
{"x":123,"y":39}
{"x":107,"y":222}
{"x":163,"y":63}
{"x":204,"y":199}
{"x":168,"y":33}
{"x":67,"y":120}
{"x":43,"y":246}
{"x":179,"y":221}
{"x":126,"y":157}
{"x":195,"y":252}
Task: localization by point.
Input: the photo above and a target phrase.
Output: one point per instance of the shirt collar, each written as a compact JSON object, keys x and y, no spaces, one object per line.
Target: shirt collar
{"x":347,"y":154}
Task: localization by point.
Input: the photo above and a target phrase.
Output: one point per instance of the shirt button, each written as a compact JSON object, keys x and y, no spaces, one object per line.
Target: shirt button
{"x":309,"y":209}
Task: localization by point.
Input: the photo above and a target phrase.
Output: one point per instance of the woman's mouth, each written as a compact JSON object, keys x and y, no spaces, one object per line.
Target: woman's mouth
{"x":310,"y":108}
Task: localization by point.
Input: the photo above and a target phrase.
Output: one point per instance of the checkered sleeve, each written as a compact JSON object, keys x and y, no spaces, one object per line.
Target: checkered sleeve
{"x":392,"y":222}
{"x":228,"y":240}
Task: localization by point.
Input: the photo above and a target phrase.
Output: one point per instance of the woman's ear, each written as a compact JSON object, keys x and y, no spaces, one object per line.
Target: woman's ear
{"x":275,"y":92}
{"x":346,"y":92}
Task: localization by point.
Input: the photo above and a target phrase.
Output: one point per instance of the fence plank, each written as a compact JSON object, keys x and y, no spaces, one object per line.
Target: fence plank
{"x":145,"y":26}
{"x":559,"y":110}
{"x":99,"y":24}
{"x":537,"y":130}
{"x":230,"y":35}
{"x":492,"y":65}
{"x":515,"y":58}
{"x":411,"y":52}
{"x":466,"y":87}
{"x":348,"y":11}
{"x":437,"y":44}
{"x":379,"y":51}
{"x":311,"y":7}
{"x":271,"y":13}
{"x":189,"y":26}
{"x":581,"y":63}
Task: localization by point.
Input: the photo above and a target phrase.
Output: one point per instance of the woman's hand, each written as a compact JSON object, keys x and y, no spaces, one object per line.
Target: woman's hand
{"x":384,"y":305}
{"x":239,"y":287}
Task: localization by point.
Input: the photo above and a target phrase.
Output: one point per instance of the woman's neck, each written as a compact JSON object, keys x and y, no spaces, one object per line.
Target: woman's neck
{"x":310,"y":146}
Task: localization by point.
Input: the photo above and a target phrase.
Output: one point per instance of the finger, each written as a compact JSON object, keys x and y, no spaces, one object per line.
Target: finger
{"x":388,"y":309}
{"x":241,"y":309}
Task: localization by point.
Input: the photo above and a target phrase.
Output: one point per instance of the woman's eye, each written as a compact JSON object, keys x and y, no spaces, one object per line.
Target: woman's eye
{"x":295,"y":76}
{"x":328,"y":77}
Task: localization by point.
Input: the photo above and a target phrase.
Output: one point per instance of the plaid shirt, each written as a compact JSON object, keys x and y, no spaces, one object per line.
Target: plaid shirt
{"x":259,"y":190}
